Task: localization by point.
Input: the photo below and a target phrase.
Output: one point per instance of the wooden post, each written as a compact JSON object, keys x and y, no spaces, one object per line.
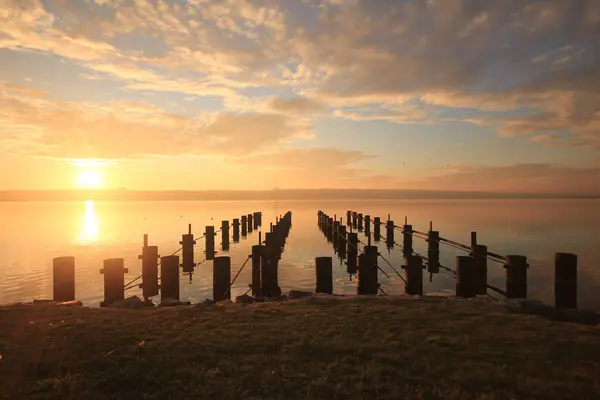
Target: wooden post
{"x":250,"y":223}
{"x":244,"y":225}
{"x":367,"y":272}
{"x":516,"y":277}
{"x":236,"y":230}
{"x":349,"y":218}
{"x":342,"y":242}
{"x":149,"y":259}
{"x":433,"y":252}
{"x":335,"y":235}
{"x":256,"y":254}
{"x":473,"y":240}
{"x":187,"y":252}
{"x":114,"y":281}
{"x":351,"y":263}
{"x":389,"y":239}
{"x":221,"y":278}
{"x":63,"y":278}
{"x":169,"y":278}
{"x":565,"y":280}
{"x":414,"y":275}
{"x":465,"y":277}
{"x":479,"y":255}
{"x":360,"y":222}
{"x":209,"y":237}
{"x":324,"y":274}
{"x":377,"y":229}
{"x":269,"y":273}
{"x":225,"y":235}
{"x":354,"y":219}
{"x":367,"y":224}
{"x":330,"y":230}
{"x":407,"y":240}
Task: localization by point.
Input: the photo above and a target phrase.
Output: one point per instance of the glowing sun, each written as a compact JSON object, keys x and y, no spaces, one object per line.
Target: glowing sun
{"x":89,"y":178}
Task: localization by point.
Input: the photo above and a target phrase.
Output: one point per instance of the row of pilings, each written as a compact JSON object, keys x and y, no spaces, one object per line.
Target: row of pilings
{"x":265,"y":259}
{"x":470,"y":270}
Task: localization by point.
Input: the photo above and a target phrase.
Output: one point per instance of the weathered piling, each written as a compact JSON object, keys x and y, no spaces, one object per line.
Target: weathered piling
{"x":479,"y":255}
{"x":225,"y":235}
{"x":114,"y":281}
{"x":187,"y":251}
{"x":352,"y":261}
{"x":324,"y":275}
{"x":389,"y":233}
{"x":433,"y":252}
{"x":256,"y":256}
{"x":169,"y":277}
{"x":244,"y":225}
{"x":516,"y":277}
{"x":209,"y":236}
{"x":377,"y":229}
{"x":236,"y":230}
{"x":250,"y":223}
{"x":565,"y":280}
{"x":269,"y":270}
{"x":465,"y":277}
{"x":149,"y":259}
{"x":349,"y":218}
{"x":367,"y":272}
{"x":330,"y":230}
{"x":413,"y":272}
{"x":360,"y":222}
{"x":342,"y":247}
{"x":407,"y":240}
{"x":335,"y":235}
{"x":354,"y":219}
{"x":221,"y":278}
{"x":63,"y":279}
{"x":367,"y":224}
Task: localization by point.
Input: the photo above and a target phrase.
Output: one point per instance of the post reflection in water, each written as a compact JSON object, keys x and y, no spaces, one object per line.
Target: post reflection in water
{"x":90,"y":229}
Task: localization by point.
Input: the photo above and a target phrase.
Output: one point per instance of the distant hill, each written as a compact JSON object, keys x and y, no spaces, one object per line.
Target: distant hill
{"x":278,"y":194}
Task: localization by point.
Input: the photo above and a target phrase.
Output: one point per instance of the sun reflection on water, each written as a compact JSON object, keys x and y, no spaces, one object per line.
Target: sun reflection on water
{"x":90,"y":229}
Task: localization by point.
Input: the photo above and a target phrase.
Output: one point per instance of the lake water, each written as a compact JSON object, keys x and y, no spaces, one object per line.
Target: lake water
{"x":32,"y":234}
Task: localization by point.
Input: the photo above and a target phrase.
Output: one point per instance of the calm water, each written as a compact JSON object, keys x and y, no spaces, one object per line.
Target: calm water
{"x":32,"y":234}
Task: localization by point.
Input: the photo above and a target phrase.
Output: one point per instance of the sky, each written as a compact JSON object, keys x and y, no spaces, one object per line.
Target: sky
{"x":238,"y":94}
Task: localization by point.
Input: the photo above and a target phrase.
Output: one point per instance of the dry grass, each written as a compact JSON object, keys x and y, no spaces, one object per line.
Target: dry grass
{"x":362,"y":348}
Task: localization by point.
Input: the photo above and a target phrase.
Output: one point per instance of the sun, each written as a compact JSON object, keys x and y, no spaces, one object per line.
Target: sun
{"x":89,"y":178}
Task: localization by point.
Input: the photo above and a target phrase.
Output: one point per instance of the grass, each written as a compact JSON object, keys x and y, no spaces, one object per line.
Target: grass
{"x":322,"y":349}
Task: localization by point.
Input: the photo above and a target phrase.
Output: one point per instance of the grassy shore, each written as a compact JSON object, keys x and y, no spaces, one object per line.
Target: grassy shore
{"x":322,"y":349}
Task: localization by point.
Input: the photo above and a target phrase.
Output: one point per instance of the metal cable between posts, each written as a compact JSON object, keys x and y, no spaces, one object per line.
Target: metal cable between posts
{"x":394,"y":269}
{"x":236,"y":276}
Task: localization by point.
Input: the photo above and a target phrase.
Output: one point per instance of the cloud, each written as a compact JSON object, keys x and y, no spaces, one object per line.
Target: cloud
{"x":126,"y":129}
{"x":517,"y":178}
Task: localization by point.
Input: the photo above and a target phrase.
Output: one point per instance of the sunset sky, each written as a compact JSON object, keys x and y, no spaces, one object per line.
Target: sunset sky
{"x":237,"y":94}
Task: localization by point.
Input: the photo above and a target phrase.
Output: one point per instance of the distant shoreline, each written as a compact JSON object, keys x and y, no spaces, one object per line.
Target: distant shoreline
{"x":269,"y":195}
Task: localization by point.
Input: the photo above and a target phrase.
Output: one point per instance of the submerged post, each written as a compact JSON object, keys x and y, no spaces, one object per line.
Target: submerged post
{"x":187,"y":251}
{"x":342,"y":242}
{"x":209,"y":236}
{"x":360,"y":222}
{"x":433,"y":252}
{"x":324,"y":275}
{"x":389,"y":239}
{"x":236,"y":230}
{"x":221,"y":278}
{"x":414,"y":275}
{"x":465,"y":277}
{"x":516,"y":277}
{"x":352,"y":261}
{"x":169,"y":277}
{"x":349,"y":218}
{"x":114,"y":281}
{"x":565,"y":280}
{"x":244,"y":225}
{"x":256,"y":254}
{"x":63,"y":279}
{"x":225,"y":235}
{"x":480,"y":259}
{"x":377,"y":229}
{"x":407,"y":240}
{"x":149,"y":259}
{"x":367,"y":272}
{"x":367,"y":224}
{"x":250,"y":223}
